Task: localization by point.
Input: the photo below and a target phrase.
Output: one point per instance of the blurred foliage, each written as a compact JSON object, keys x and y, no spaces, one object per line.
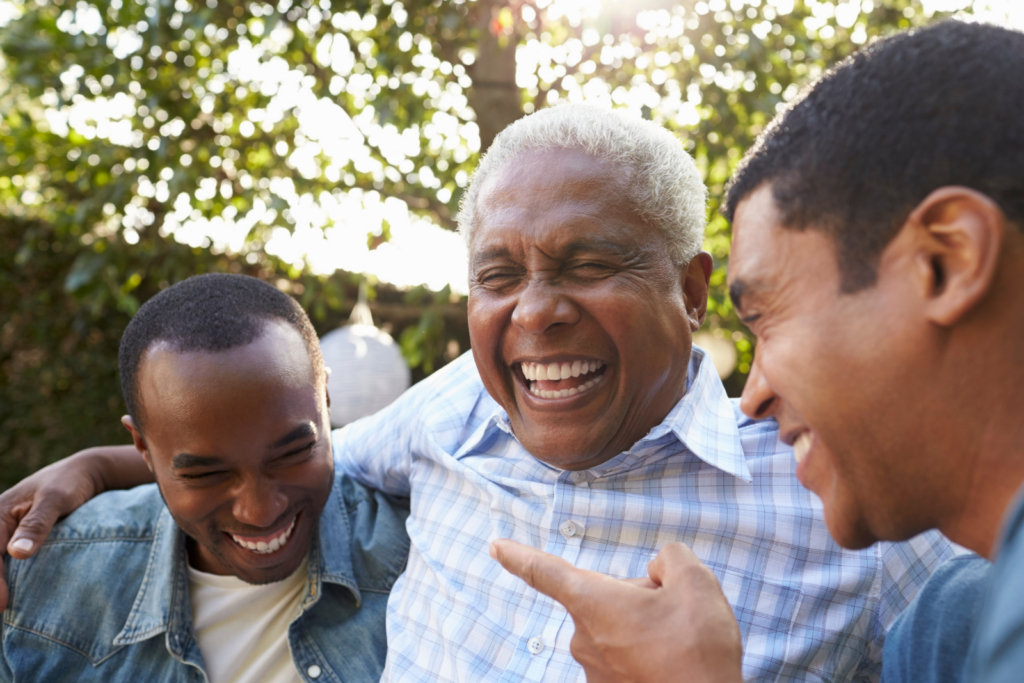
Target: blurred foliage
{"x":143,"y":141}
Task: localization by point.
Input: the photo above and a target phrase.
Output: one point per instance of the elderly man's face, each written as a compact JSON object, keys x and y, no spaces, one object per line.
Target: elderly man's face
{"x":579,"y":320}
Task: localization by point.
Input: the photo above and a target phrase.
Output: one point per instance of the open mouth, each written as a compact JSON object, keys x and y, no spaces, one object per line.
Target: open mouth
{"x":563,"y":379}
{"x":266,"y":545}
{"x":802,"y":446}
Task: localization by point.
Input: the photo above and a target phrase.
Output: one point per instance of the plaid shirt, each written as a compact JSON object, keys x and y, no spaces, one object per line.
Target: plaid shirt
{"x":707,"y":476}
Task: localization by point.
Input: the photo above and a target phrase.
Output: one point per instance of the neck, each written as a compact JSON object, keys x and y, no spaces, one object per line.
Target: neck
{"x":988,"y":387}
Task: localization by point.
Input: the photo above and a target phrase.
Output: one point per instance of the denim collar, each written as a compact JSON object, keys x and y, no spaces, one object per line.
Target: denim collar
{"x":162,"y":603}
{"x":703,"y":421}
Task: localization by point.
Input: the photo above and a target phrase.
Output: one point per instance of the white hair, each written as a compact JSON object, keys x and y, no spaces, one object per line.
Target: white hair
{"x":665,"y":187}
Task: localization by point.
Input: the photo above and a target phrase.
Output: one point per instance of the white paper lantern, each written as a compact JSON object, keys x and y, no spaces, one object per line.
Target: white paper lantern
{"x":367,"y":370}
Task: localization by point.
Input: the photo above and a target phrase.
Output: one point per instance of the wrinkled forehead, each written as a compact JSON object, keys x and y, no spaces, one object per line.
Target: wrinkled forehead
{"x":559,"y":198}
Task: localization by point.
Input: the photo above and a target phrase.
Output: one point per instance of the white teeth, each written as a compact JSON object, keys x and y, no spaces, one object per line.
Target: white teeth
{"x":264,"y":548}
{"x":555,"y":372}
{"x":802,"y":446}
{"x":562,"y":393}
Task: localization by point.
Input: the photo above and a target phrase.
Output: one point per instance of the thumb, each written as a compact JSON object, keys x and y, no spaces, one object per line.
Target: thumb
{"x":550,"y":575}
{"x":32,"y":530}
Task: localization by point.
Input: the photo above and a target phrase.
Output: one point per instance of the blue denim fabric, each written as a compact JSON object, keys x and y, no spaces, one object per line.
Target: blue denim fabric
{"x":999,"y":647}
{"x":106,"y":598}
{"x":932,"y":640}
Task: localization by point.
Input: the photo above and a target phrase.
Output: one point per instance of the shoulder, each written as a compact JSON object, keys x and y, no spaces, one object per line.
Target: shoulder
{"x":1000,"y":646}
{"x":378,"y":542}
{"x":81,"y":550}
{"x":78,"y":589}
{"x":930,"y":642}
{"x":446,"y":404}
{"x":115,"y":514}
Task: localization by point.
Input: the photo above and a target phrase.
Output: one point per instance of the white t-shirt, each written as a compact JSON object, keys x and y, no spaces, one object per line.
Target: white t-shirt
{"x":242,"y":629}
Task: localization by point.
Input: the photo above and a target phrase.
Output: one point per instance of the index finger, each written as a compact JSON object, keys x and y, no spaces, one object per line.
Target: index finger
{"x":550,"y":575}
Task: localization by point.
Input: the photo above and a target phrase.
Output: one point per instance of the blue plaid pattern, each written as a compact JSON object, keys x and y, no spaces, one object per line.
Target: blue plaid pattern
{"x":707,"y":476}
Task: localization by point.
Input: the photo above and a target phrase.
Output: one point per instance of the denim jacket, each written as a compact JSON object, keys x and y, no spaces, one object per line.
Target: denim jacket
{"x":106,"y":597}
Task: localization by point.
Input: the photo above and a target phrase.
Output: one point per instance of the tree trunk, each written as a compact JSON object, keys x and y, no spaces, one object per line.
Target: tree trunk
{"x":494,"y":95}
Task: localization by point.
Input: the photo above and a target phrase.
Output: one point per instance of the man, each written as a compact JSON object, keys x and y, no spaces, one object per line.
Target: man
{"x":262,"y":565}
{"x":582,"y":424}
{"x":878,"y":254}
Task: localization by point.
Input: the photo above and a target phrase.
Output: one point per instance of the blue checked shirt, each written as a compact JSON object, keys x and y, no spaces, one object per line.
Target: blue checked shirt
{"x":707,"y":476}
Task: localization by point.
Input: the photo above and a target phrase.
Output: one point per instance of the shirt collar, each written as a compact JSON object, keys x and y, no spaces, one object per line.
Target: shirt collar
{"x":162,"y":603}
{"x":331,"y":558}
{"x":703,"y":420}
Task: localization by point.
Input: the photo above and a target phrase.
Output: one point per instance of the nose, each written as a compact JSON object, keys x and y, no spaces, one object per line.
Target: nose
{"x":541,"y":306}
{"x":759,"y":400}
{"x":259,"y":502}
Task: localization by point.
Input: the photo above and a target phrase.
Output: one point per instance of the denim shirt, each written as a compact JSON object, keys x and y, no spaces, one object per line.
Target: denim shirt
{"x":106,"y":597}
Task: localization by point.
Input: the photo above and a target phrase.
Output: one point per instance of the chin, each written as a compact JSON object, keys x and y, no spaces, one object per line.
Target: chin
{"x":849,"y":530}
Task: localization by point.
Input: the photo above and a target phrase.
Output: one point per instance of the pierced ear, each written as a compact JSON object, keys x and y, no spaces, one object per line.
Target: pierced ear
{"x":696,"y":278}
{"x":140,"y":442}
{"x":964,"y":232}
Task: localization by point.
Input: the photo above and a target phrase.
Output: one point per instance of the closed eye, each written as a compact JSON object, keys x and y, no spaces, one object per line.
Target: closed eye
{"x":294,"y":454}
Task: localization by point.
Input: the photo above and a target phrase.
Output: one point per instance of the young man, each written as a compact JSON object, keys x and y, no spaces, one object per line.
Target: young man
{"x":878,"y":254}
{"x":249,"y":560}
{"x":583,"y":423}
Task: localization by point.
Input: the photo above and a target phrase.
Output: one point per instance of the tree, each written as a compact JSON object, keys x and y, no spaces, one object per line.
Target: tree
{"x":147,"y":140}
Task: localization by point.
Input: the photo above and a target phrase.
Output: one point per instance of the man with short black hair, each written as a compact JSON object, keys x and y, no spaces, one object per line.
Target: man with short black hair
{"x":878,"y":254}
{"x":263,"y":565}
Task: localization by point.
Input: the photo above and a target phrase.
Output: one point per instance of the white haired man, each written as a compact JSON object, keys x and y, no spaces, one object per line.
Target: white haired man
{"x":584,"y":423}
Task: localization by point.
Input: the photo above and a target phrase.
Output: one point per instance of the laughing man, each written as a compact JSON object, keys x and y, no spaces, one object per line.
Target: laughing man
{"x":249,"y":560}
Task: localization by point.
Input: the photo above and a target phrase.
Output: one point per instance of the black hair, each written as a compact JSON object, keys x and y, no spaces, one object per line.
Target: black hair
{"x":920,"y":110}
{"x":214,"y":312}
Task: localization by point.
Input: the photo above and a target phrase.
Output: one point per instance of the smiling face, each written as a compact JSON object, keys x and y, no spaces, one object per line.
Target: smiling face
{"x":580,"y":322}
{"x":847,"y":376}
{"x":239,"y":442}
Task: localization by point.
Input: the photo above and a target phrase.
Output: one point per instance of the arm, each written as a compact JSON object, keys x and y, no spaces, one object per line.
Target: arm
{"x":29,"y":509}
{"x":676,"y":626}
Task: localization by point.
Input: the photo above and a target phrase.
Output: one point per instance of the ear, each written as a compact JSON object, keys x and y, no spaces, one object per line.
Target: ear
{"x":140,"y":443}
{"x":963,"y":232}
{"x":695,"y":278}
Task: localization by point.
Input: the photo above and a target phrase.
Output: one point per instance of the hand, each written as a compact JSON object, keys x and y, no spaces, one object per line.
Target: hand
{"x":29,"y":510}
{"x":676,"y":625}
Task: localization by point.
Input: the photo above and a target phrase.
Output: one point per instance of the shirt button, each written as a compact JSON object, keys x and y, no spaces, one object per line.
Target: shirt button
{"x":578,"y":477}
{"x":570,"y":528}
{"x":535,"y":645}
{"x":314,"y":671}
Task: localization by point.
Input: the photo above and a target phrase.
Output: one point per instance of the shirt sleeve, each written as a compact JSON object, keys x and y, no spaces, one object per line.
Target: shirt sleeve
{"x":378,"y":450}
{"x":904,"y":569}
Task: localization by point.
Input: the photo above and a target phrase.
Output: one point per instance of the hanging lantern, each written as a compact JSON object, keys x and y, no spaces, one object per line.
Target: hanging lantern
{"x":367,"y":368}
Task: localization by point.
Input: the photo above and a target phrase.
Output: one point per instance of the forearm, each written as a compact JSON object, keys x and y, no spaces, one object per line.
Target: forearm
{"x":113,"y":467}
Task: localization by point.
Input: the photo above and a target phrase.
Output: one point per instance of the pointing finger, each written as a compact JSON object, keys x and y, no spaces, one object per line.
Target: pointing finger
{"x":550,"y":575}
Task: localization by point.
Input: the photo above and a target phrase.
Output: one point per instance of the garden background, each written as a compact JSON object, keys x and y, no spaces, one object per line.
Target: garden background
{"x":324,"y":146}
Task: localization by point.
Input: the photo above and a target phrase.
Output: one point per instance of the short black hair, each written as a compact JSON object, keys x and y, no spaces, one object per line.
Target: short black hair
{"x":863,"y":146}
{"x":214,"y":312}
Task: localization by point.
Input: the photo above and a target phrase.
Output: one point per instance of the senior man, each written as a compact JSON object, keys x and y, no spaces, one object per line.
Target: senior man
{"x":878,"y":254}
{"x":582,"y":423}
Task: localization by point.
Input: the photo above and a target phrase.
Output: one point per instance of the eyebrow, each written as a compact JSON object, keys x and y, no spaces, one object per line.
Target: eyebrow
{"x":568,"y":250}
{"x":303,"y":431}
{"x":186,"y":460}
